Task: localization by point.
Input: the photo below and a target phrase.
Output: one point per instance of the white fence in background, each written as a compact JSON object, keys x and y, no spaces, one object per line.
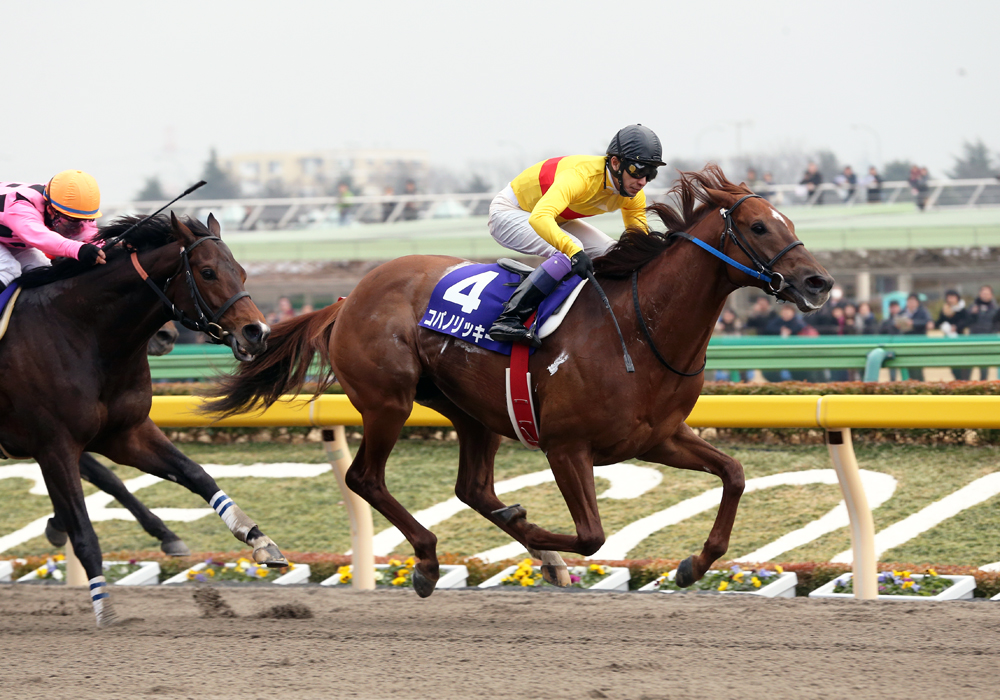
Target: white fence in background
{"x":305,"y":212}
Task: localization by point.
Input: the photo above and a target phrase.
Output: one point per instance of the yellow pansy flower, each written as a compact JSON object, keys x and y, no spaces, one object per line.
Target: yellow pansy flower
{"x":345,"y":578}
{"x":399,"y":581}
{"x":210,"y":571}
{"x":343,"y":570}
{"x":402,"y":572}
{"x":526,"y":562}
{"x":261,"y":572}
{"x":932,"y":572}
{"x":755,"y":581}
{"x":395,"y":562}
{"x":738,"y":577}
{"x":410,"y":561}
{"x":907,"y":584}
{"x":724,"y":585}
{"x":779,"y":569}
{"x":527,"y":581}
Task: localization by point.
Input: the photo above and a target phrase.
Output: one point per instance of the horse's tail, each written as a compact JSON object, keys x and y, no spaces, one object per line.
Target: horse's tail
{"x":282,"y":368}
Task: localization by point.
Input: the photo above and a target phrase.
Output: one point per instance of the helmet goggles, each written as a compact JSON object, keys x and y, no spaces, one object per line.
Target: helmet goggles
{"x":640,"y":170}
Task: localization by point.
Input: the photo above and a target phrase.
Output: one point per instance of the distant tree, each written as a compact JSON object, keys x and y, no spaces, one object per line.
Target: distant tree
{"x":829,"y":165}
{"x":974,"y":162}
{"x":221,"y":184}
{"x":896,"y":170}
{"x":476,"y":185}
{"x":152,"y":191}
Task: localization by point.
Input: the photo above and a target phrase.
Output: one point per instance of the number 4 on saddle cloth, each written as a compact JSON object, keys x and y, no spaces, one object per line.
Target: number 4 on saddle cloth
{"x":466,"y":302}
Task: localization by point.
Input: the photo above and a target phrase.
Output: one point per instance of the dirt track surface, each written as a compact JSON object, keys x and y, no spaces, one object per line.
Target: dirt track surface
{"x":489,"y":644}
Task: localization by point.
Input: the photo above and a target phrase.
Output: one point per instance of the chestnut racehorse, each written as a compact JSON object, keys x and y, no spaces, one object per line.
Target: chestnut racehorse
{"x":74,"y":374}
{"x":667,"y":293}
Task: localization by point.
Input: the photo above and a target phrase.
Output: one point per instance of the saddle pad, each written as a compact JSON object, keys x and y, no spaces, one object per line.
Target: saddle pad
{"x":7,"y":299}
{"x":470,"y":297}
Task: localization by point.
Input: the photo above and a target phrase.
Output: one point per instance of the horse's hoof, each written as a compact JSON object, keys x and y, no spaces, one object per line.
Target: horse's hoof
{"x":175,"y":548}
{"x":270,"y":556}
{"x":685,"y":573}
{"x":55,"y":536}
{"x":505,"y":515}
{"x":421,"y":584}
{"x":556,"y":575}
{"x":108,"y":618}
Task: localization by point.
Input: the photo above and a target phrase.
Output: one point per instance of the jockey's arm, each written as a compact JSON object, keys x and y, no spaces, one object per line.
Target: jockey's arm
{"x":566,"y":189}
{"x":634,"y":212}
{"x":29,"y":225}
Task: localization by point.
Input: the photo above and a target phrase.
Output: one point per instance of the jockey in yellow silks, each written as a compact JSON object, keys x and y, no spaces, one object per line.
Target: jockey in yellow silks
{"x":540,"y":213}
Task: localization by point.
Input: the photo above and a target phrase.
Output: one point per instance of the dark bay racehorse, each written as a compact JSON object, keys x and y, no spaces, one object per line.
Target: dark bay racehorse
{"x":74,"y":374}
{"x":667,"y":293}
{"x":106,"y":480}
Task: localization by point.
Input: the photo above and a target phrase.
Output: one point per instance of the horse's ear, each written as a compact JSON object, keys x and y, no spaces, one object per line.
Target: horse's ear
{"x":721,"y":197}
{"x":181,"y":232}
{"x":213,"y":226}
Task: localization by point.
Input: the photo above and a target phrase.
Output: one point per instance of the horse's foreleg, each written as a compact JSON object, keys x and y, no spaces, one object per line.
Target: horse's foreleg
{"x":147,"y":448}
{"x":366,"y":477}
{"x":62,"y":479}
{"x":685,"y":450}
{"x":478,"y":447}
{"x":103,"y":478}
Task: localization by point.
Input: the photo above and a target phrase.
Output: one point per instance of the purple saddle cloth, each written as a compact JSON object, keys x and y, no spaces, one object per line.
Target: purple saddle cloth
{"x":466,"y":302}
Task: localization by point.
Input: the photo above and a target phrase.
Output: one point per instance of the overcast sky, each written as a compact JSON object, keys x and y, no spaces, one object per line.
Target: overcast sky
{"x":130,"y":89}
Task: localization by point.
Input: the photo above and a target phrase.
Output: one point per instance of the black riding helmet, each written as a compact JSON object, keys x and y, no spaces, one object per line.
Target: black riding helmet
{"x":639,"y":153}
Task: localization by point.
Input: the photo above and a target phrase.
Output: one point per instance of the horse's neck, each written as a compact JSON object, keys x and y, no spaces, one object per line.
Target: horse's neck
{"x":682,"y":293}
{"x":119,"y":306}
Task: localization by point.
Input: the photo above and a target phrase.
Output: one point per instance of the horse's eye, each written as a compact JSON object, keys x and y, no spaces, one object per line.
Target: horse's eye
{"x":759,"y":228}
{"x":208,"y":273}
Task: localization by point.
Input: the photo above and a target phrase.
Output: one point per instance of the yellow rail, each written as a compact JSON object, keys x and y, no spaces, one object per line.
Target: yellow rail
{"x":838,"y":411}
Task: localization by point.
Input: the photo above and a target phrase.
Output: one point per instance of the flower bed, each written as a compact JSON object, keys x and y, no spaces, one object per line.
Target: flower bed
{"x":399,"y":574}
{"x":119,"y":573}
{"x":763,"y":582}
{"x":903,"y":585}
{"x":592,"y":577}
{"x":241,"y":571}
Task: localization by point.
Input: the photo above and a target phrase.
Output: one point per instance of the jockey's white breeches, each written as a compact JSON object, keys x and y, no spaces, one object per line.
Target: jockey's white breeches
{"x":14,"y":261}
{"x":509,"y":226}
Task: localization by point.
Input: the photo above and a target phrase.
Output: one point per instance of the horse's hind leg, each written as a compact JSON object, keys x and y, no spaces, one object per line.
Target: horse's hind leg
{"x":145,"y":447}
{"x":474,"y":486}
{"x":685,"y":450}
{"x":103,"y":478}
{"x":62,"y":479}
{"x":366,"y":477}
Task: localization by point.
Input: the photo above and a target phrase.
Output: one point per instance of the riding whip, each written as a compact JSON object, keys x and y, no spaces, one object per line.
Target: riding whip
{"x":629,"y":367}
{"x":138,"y":223}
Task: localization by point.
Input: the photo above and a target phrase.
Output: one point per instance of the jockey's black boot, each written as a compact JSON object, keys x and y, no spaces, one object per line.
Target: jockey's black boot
{"x":509,"y":328}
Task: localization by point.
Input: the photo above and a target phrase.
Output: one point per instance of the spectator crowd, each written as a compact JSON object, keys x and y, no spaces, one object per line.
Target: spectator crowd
{"x":842,"y":316}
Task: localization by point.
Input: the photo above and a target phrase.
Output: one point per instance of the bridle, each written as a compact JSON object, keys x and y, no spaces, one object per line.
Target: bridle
{"x":764,"y":270}
{"x":203,"y":322}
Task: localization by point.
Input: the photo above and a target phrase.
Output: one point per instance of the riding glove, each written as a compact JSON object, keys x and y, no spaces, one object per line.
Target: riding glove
{"x":582,"y":264}
{"x":88,"y":254}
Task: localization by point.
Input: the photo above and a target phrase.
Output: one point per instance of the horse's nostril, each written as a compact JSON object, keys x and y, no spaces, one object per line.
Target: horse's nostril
{"x":817,"y":284}
{"x":252,"y":332}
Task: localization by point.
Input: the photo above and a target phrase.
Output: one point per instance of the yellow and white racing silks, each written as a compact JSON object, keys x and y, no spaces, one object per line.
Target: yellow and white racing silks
{"x":572,"y":187}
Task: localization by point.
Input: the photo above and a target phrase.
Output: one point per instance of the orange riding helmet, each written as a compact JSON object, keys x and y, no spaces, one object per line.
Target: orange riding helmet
{"x":75,"y":194}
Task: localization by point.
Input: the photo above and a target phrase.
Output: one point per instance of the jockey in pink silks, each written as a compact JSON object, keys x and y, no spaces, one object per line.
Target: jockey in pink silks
{"x":40,"y":222}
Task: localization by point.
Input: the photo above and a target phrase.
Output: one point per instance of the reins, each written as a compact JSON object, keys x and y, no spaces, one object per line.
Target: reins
{"x":764,"y":272}
{"x":203,"y":322}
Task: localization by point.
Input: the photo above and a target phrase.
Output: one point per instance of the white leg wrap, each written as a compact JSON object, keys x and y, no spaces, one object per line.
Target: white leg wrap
{"x":232,"y":515}
{"x":102,"y":603}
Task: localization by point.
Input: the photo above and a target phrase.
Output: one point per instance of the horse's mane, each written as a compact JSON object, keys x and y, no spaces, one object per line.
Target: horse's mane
{"x":636,"y":247}
{"x":153,"y":233}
